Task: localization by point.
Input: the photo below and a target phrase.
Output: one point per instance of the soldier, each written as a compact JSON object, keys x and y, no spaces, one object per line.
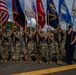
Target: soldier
{"x":49,"y":40}
{"x":70,"y":44}
{"x":59,"y":40}
{"x":37,"y":34}
{"x":26,"y":50}
{"x":5,"y":45}
{"x":16,"y":45}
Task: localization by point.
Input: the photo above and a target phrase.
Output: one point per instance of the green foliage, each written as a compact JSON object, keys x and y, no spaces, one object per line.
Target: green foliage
{"x":10,"y":25}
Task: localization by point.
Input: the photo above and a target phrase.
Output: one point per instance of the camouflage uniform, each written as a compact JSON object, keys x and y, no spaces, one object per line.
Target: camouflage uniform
{"x":5,"y":45}
{"x":16,"y":45}
{"x":59,"y":43}
{"x":26,"y":50}
{"x":49,"y":39}
{"x":38,"y":52}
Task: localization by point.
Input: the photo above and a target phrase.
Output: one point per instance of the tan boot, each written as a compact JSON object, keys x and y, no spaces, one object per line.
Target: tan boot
{"x":36,"y":62}
{"x":58,"y":62}
{"x":47,"y":63}
{"x":5,"y":61}
{"x":28,"y":61}
{"x":50,"y":62}
{"x":40,"y":62}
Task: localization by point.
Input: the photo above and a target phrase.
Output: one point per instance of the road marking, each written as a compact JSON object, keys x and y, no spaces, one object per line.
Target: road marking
{"x":50,"y":70}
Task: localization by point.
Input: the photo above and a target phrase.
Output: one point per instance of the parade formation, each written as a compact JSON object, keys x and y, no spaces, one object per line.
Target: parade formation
{"x":52,"y":44}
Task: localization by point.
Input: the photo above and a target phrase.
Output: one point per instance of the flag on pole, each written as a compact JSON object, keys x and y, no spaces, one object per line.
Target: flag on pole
{"x":40,"y":13}
{"x":18,"y":15}
{"x":29,"y":8}
{"x":64,"y":12}
{"x":52,"y":17}
{"x":33,"y":6}
{"x":4,"y":15}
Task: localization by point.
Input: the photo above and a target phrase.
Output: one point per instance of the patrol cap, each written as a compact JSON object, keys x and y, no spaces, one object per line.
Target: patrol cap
{"x":48,"y":29}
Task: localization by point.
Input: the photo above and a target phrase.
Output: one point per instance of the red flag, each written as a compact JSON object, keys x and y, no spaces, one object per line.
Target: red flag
{"x":41,"y":13}
{"x":4,"y":15}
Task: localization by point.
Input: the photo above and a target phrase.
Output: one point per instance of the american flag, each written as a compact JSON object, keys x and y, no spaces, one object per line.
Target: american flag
{"x":4,"y":15}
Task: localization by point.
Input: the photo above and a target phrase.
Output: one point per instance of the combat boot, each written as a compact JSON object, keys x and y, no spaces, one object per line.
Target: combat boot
{"x":28,"y":61}
{"x":36,"y":62}
{"x":5,"y":61}
{"x":47,"y":62}
{"x":58,"y":62}
{"x":40,"y":61}
{"x":50,"y":62}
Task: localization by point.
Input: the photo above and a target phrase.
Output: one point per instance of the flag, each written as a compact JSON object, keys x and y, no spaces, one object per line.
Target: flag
{"x":74,"y":7}
{"x":52,"y":17}
{"x":41,"y":13}
{"x":4,"y":15}
{"x":29,"y":8}
{"x":33,"y":6}
{"x":64,"y":12}
{"x":18,"y":15}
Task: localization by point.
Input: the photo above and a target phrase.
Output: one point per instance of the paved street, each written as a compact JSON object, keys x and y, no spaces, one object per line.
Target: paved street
{"x":20,"y":68}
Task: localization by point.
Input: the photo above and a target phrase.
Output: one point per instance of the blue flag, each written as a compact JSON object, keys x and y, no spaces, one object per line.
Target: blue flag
{"x":64,"y":12}
{"x":18,"y":15}
{"x":33,"y":6}
{"x":52,"y":17}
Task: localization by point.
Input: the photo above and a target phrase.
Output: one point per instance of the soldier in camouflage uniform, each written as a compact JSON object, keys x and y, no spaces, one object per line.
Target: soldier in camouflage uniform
{"x":16,"y":45}
{"x":59,"y":43}
{"x":49,"y":39}
{"x":26,"y":50}
{"x":37,"y":34}
{"x":5,"y":45}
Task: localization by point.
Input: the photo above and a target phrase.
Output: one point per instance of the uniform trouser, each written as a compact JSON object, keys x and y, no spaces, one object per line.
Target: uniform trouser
{"x":27,"y":53}
{"x":69,"y":52}
{"x":59,"y":50}
{"x":38,"y":53}
{"x":5,"y":52}
{"x":16,"y":52}
{"x":49,"y":53}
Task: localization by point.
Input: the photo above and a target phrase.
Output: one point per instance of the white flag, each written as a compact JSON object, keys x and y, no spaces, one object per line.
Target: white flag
{"x":29,"y":11}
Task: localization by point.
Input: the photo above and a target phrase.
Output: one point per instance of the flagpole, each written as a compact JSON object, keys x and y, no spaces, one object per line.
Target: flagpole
{"x":30,"y":25}
{"x":25,"y":19}
{"x":73,"y":25}
{"x":48,"y":18}
{"x":12,"y":23}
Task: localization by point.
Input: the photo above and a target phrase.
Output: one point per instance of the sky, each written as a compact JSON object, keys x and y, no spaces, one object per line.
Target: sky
{"x":68,"y":2}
